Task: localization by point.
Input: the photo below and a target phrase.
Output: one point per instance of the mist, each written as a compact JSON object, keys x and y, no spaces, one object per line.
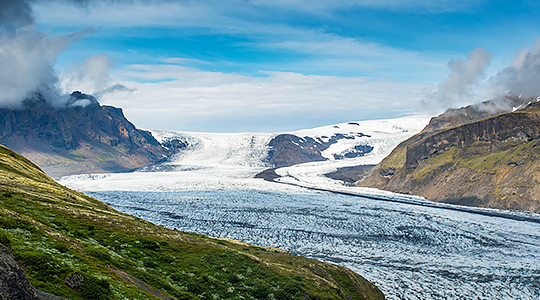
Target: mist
{"x":522,"y":77}
{"x":466,"y":84}
{"x":28,"y":57}
{"x":27,"y":60}
{"x":91,"y":76}
{"x":459,"y":86}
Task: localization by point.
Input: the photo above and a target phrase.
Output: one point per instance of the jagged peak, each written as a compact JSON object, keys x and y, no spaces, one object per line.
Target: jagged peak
{"x":39,"y":100}
{"x":78,"y":99}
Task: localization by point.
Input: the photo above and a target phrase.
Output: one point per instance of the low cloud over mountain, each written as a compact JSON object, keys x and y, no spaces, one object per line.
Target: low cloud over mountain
{"x":465,"y":84}
{"x":28,"y":57}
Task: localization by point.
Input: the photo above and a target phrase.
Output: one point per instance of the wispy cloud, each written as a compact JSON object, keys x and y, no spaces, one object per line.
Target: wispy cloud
{"x":322,"y":6}
{"x":460,"y":87}
{"x":91,"y":77}
{"x":305,"y":50}
{"x":193,"y":99}
{"x":523,"y":74}
{"x":331,"y":51}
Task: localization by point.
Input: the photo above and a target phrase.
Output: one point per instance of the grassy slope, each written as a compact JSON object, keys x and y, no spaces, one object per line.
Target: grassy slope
{"x":54,"y":231}
{"x":507,"y":176}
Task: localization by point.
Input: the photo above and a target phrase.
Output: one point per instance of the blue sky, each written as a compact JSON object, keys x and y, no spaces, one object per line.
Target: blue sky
{"x":262,"y":65}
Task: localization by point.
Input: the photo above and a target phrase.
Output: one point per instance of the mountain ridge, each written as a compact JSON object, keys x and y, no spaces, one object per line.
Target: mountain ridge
{"x":82,"y":137}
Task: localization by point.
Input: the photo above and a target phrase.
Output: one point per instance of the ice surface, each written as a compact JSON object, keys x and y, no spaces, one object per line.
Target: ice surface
{"x":219,"y":149}
{"x":384,"y":136}
{"x":409,"y":251}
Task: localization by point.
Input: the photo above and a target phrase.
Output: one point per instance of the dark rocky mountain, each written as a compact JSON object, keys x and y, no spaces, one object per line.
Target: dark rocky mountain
{"x":493,"y":162}
{"x":288,"y":149}
{"x":82,"y":137}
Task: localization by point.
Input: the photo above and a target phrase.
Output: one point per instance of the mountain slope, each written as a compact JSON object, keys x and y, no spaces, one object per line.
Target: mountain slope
{"x":77,"y":247}
{"x":78,"y":139}
{"x":493,"y":162}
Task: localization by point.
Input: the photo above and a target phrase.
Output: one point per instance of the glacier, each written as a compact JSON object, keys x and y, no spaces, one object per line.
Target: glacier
{"x":229,"y":161}
{"x":410,"y":247}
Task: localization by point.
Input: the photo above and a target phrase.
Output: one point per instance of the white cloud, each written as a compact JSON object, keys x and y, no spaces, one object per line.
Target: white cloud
{"x":321,"y":52}
{"x":523,"y":74}
{"x":193,"y":99}
{"x":124,"y":15}
{"x":183,"y":60}
{"x":91,"y":76}
{"x":334,"y":52}
{"x":460,"y":87}
{"x":27,"y":60}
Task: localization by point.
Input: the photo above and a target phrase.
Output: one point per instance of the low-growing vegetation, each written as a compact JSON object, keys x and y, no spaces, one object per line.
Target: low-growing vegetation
{"x":77,"y":247}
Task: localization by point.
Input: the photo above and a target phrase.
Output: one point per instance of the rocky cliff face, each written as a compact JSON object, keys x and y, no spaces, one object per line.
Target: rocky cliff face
{"x":78,"y":139}
{"x":288,"y":149}
{"x":493,"y":162}
{"x":475,"y":112}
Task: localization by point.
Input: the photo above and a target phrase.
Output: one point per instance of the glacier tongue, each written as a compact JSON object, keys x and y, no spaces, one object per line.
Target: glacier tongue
{"x":219,"y":149}
{"x":406,"y":245}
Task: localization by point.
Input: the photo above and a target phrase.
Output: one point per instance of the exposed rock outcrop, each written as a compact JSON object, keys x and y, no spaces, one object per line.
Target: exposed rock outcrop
{"x":13,"y":283}
{"x":288,"y":149}
{"x":268,"y":174}
{"x":350,"y":174}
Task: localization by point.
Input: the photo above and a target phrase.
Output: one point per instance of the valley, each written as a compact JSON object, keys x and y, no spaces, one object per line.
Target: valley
{"x":408,"y":246}
{"x":409,"y":251}
{"x":269,"y":150}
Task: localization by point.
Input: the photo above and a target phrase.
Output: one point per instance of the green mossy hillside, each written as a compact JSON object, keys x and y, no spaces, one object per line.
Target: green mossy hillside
{"x":77,"y":247}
